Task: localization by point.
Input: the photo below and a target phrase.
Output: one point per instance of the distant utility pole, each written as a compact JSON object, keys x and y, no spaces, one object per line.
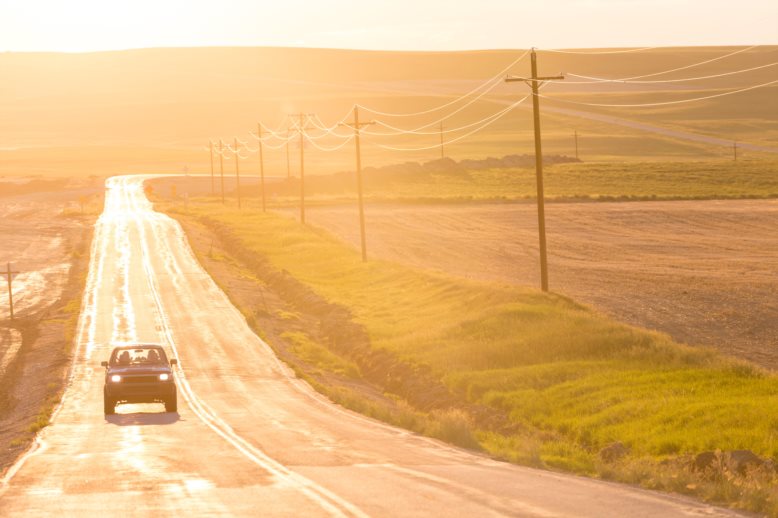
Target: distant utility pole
{"x":734,"y":149}
{"x":10,"y":275}
{"x":288,"y":164}
{"x":261,"y":165}
{"x":357,"y":126}
{"x":534,"y":83}
{"x":442,"y":154}
{"x":301,"y":129}
{"x":221,"y":166}
{"x":210,"y":147}
{"x":237,"y":170}
{"x":576,"y":144}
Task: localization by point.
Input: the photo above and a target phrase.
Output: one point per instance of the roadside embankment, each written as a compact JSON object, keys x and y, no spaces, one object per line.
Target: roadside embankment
{"x":532,"y":378}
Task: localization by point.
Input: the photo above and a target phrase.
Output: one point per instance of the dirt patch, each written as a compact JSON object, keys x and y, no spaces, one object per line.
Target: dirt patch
{"x":702,"y":271}
{"x":34,"y":378}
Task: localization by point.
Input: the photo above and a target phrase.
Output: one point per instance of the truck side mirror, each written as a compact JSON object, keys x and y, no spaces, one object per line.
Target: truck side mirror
{"x":173,"y":362}
{"x":104,"y":364}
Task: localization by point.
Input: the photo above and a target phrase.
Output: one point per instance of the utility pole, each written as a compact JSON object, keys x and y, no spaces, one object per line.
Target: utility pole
{"x":221,"y":166}
{"x":357,"y":126}
{"x":576,"y":144}
{"x":734,"y":149}
{"x":533,"y":82}
{"x":261,"y":165}
{"x":10,"y":275}
{"x":301,"y":129}
{"x":210,"y":147}
{"x":237,"y":170}
{"x":288,"y":165}
{"x":442,"y":154}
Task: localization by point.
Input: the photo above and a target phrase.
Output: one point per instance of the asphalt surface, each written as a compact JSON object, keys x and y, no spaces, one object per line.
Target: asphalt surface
{"x":250,"y":439}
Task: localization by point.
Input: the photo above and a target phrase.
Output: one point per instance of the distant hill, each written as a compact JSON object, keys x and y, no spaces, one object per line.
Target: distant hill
{"x":156,"y":108}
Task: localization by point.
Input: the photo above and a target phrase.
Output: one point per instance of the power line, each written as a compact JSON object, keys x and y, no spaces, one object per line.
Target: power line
{"x":400,"y":131}
{"x":693,"y":65}
{"x":488,"y":121}
{"x":589,"y":53}
{"x":595,"y":80}
{"x":665,"y":103}
{"x":335,"y":148}
{"x":495,"y":78}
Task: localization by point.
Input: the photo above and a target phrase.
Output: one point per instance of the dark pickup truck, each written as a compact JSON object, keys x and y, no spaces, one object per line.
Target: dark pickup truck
{"x":139,"y":373}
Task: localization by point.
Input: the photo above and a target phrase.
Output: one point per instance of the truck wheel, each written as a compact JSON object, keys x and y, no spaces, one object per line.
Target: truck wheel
{"x":109,"y":405}
{"x":171,"y":405}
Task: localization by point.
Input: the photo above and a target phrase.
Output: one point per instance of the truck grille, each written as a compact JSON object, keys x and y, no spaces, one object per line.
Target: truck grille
{"x":141,"y":379}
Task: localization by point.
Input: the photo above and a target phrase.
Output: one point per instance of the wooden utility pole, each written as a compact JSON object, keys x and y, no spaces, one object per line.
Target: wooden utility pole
{"x":534,"y":83}
{"x":301,"y":129}
{"x":261,"y":165}
{"x":288,"y":164}
{"x":210,"y":147}
{"x":442,"y":154}
{"x":10,"y":275}
{"x":734,"y":149}
{"x":357,"y":126}
{"x":221,"y":166}
{"x":576,"y":144}
{"x":237,"y":170}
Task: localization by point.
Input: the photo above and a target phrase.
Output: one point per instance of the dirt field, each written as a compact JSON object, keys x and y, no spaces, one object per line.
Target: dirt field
{"x":704,"y":272}
{"x":50,"y":250}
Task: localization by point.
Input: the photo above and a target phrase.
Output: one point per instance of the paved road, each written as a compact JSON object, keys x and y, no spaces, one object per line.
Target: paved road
{"x":250,"y":438}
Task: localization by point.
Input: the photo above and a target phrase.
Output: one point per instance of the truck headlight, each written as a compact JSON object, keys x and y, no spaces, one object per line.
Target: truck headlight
{"x":164,"y":377}
{"x":116,"y":378}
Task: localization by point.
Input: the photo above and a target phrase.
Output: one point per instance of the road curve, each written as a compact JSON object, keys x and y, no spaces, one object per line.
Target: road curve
{"x":250,"y":439}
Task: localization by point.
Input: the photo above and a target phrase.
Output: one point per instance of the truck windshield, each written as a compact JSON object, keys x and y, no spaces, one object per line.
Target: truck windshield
{"x":138,"y":356}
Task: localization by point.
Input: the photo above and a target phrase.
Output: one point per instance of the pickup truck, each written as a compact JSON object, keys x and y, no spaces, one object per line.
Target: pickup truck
{"x":139,"y":373}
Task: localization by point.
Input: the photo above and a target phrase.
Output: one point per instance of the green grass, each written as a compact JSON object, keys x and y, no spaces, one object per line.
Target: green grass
{"x":643,"y":180}
{"x":316,"y":354}
{"x":603,"y":181}
{"x":568,"y":378}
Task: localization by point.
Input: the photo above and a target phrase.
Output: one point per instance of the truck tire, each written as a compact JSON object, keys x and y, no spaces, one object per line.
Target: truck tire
{"x":171,"y":404}
{"x":109,"y":405}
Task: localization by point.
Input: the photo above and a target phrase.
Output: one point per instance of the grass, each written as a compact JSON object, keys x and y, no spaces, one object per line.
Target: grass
{"x":587,"y":181}
{"x":568,"y":379}
{"x":316,"y":354}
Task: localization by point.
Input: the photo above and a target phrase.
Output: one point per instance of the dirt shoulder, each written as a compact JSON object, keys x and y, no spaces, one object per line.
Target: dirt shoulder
{"x":35,"y":377}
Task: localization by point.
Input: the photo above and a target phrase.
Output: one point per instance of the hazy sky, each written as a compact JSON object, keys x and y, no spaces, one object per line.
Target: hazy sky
{"x":86,"y":25}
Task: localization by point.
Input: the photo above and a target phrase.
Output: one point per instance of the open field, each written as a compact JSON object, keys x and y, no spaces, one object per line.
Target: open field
{"x":701,"y":271}
{"x":155,"y":110}
{"x":542,"y":361}
{"x":441,"y":181}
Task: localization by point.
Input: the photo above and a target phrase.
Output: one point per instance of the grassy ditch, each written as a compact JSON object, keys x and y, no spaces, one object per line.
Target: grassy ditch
{"x":563,"y":381}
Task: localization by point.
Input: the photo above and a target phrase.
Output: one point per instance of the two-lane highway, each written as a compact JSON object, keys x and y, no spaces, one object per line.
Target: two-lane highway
{"x":250,"y":439}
